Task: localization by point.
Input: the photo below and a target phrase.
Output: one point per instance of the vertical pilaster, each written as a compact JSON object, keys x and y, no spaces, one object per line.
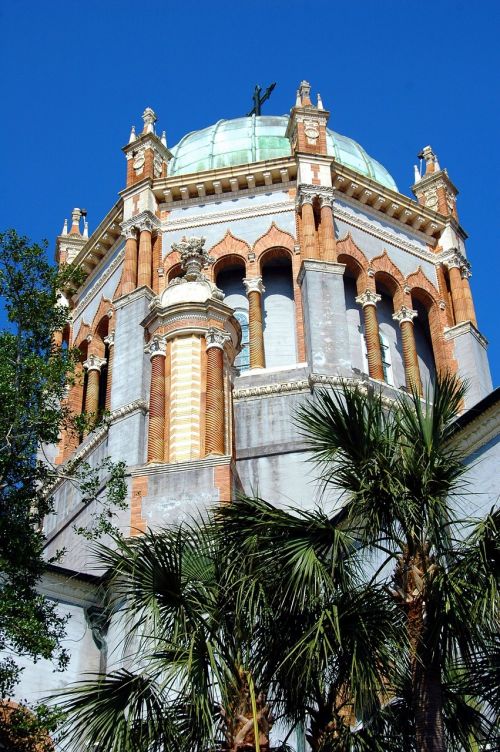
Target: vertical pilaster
{"x":129,"y":279}
{"x":310,"y":248}
{"x":214,"y":425}
{"x":405,"y":318}
{"x":368,"y":300}
{"x":157,"y":351}
{"x":255,"y":288}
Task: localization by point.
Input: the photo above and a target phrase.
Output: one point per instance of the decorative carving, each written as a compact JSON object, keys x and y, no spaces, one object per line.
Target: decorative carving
{"x":368,"y":298}
{"x":404,"y":314}
{"x":146,"y":220}
{"x":254,"y":285}
{"x":193,"y":256}
{"x":156,"y":346}
{"x":109,"y":340}
{"x":94,"y":363}
{"x":216,"y":338}
{"x":98,"y":621}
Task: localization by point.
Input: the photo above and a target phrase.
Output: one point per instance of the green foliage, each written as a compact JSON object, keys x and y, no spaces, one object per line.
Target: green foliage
{"x":34,"y":374}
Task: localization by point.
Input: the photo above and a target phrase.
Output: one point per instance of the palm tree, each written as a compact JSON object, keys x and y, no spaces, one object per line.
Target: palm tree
{"x":196,"y":682}
{"x":398,"y":473}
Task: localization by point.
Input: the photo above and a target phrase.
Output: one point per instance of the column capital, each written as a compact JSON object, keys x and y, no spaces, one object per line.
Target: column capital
{"x":307,"y":193}
{"x":94,"y":363}
{"x":367,"y":298}
{"x":404,"y":314}
{"x":146,"y":220}
{"x":110,"y":339}
{"x":156,"y":346}
{"x":216,"y":338}
{"x":254,"y":284}
{"x":455,"y":260}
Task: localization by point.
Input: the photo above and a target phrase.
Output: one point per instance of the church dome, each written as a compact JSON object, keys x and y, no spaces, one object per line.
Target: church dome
{"x":253,"y":139}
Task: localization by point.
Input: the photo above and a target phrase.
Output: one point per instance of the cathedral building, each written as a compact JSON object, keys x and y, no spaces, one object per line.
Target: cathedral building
{"x":257,"y":260}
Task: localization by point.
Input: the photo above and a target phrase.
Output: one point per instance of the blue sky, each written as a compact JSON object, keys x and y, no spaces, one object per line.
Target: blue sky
{"x":395,"y":75}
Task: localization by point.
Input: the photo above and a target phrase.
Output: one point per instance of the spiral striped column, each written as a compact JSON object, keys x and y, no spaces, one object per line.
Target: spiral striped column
{"x":157,"y":351}
{"x":405,"y":318}
{"x":215,"y":419}
{"x":368,"y":300}
{"x":93,"y":366}
{"x":328,"y":229}
{"x":110,"y":342}
{"x":145,"y":265}
{"x":129,"y":278}
{"x":310,"y":250}
{"x":255,"y":288}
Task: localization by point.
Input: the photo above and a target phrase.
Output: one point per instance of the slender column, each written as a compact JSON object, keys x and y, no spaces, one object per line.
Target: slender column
{"x":110,"y":342}
{"x":157,"y":351}
{"x":145,"y":258}
{"x":328,"y":229}
{"x":129,"y":279}
{"x":455,"y":264}
{"x":467,"y":296}
{"x":308,"y":228}
{"x":405,"y":318}
{"x":368,"y":300}
{"x":214,"y":421}
{"x":255,"y":288}
{"x":93,"y":364}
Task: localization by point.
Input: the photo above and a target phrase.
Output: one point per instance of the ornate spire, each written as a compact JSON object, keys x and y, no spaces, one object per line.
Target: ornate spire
{"x":65,"y":228}
{"x":163,"y":138}
{"x":75,"y":221}
{"x":132,"y":136}
{"x":305,"y":94}
{"x":149,"y":118}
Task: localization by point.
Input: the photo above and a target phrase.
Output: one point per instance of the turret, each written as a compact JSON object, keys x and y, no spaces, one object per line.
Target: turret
{"x":147,"y":154}
{"x":434,"y":188}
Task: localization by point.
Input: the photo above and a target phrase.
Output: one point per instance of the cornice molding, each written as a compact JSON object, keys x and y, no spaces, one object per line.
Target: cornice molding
{"x":465,"y":327}
{"x":248,"y":212}
{"x":366,"y":226}
{"x":97,"y":287}
{"x":483,"y":429}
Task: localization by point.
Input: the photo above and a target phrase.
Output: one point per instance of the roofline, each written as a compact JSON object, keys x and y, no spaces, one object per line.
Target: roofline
{"x":475,"y":412}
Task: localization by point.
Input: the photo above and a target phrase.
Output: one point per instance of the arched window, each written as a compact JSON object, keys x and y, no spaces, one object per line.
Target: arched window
{"x":279,"y":312}
{"x":230,"y":280}
{"x":242,"y":361}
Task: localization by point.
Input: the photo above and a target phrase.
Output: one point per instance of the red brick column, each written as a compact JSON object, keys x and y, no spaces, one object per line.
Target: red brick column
{"x":460,"y":308}
{"x":214,"y":421}
{"x":129,"y":278}
{"x":145,"y":265}
{"x":369,"y":300}
{"x":310,"y":250}
{"x":328,"y":229}
{"x":467,"y":297}
{"x":157,"y":351}
{"x":255,"y":288}
{"x":405,"y":318}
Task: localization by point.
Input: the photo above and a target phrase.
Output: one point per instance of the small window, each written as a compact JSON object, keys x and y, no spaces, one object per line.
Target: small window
{"x":242,"y":361}
{"x":386,"y":356}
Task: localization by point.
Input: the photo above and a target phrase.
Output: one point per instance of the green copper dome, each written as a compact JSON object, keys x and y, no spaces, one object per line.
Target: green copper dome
{"x":253,"y":139}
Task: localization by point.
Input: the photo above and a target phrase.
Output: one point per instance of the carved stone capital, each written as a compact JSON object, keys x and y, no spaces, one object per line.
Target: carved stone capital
{"x":146,"y":220}
{"x":110,"y":339}
{"x":94,"y":363}
{"x":129,"y":232}
{"x":216,"y":338}
{"x":254,"y":284}
{"x":368,"y":298}
{"x":457,"y":261}
{"x":404,"y":314}
{"x":156,"y":346}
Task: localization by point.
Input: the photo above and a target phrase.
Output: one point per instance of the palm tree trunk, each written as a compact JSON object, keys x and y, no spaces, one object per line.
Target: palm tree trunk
{"x":241,"y":722}
{"x":425,"y":660}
